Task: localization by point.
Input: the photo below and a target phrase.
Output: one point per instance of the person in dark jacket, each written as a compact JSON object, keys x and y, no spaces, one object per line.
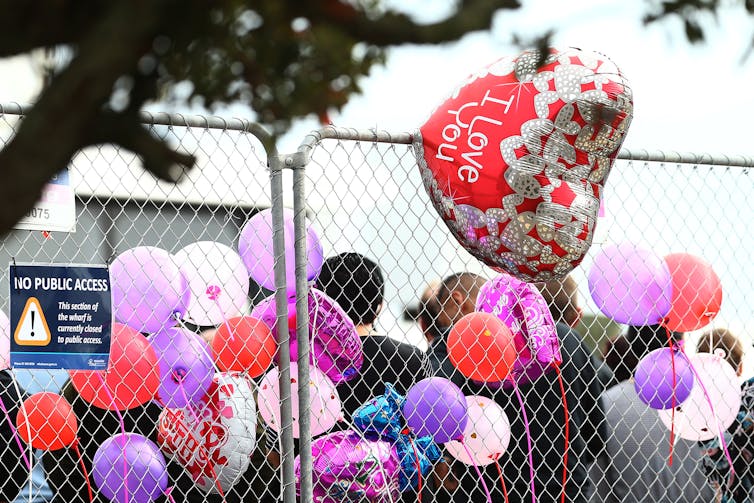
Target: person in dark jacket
{"x":544,"y":410}
{"x":12,"y":466}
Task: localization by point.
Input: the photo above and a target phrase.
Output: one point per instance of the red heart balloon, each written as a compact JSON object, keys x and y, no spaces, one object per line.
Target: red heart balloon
{"x":516,"y":159}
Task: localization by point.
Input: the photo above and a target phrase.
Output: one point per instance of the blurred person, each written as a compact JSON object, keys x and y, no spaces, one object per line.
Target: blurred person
{"x":635,"y":464}
{"x":38,"y":381}
{"x":12,"y":465}
{"x":562,"y":297}
{"x":356,"y":283}
{"x":544,"y":408}
{"x":736,"y":487}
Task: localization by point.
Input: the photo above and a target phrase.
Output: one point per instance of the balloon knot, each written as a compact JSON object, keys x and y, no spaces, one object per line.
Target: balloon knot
{"x":213,"y":292}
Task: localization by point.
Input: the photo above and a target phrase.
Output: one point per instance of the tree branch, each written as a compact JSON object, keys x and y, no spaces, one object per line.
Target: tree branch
{"x":109,"y":50}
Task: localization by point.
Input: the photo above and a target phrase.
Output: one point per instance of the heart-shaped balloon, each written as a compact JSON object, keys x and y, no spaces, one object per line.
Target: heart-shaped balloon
{"x":516,"y":159}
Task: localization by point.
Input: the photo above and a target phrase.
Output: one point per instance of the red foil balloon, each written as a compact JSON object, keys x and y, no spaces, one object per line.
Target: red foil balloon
{"x":516,"y":159}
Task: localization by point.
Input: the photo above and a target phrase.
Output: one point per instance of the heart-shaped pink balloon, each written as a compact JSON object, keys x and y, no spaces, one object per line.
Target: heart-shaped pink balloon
{"x":516,"y":159}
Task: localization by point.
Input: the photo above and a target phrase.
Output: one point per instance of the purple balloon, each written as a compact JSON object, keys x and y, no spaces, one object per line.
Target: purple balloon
{"x":146,"y":475}
{"x":347,"y":467}
{"x":436,"y":407}
{"x":631,"y":285}
{"x":523,"y":309}
{"x":255,"y":248}
{"x":184,"y":362}
{"x":149,"y":290}
{"x":653,"y":379}
{"x":336,"y":347}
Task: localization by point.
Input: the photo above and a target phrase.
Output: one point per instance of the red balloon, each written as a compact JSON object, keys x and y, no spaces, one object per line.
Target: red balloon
{"x":481,"y":347}
{"x":244,"y":344}
{"x":47,"y":422}
{"x":697,"y":293}
{"x":516,"y":159}
{"x":132,"y":378}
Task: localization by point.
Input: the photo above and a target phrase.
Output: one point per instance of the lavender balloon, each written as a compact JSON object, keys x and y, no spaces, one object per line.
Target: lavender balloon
{"x":436,"y":407}
{"x":336,"y":347}
{"x":653,"y":379}
{"x":255,"y":248}
{"x":146,"y":476}
{"x":525,"y":312}
{"x":186,"y":368}
{"x":148,"y":288}
{"x":347,"y":467}
{"x":631,"y":285}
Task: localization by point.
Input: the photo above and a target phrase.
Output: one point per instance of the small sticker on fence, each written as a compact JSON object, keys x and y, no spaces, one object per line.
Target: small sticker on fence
{"x":56,"y":208}
{"x":61,"y":317}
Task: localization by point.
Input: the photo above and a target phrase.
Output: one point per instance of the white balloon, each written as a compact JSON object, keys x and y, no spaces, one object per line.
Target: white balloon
{"x":693,"y":419}
{"x":4,"y":341}
{"x":326,"y":408}
{"x":218,"y":280}
{"x":487,"y":433}
{"x":217,"y":449}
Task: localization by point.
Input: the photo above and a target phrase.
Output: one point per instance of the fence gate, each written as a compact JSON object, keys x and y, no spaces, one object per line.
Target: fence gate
{"x":229,"y":418}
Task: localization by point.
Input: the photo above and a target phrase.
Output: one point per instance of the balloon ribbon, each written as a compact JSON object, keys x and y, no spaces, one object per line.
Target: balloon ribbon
{"x":478,"y":471}
{"x":502,"y":479}
{"x":15,"y":435}
{"x":528,"y":439}
{"x":565,"y":442}
{"x":122,"y":430}
{"x":83,"y":468}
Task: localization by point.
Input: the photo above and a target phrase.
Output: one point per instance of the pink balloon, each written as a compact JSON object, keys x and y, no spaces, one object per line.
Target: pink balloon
{"x":149,"y":289}
{"x":693,"y":419}
{"x":326,"y":409}
{"x":523,"y":309}
{"x":217,"y":279}
{"x":487,"y":433}
{"x":255,"y":248}
{"x":631,"y":285}
{"x":4,"y":341}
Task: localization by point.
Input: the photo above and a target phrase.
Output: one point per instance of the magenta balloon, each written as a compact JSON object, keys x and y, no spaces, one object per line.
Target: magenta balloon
{"x":146,"y":477}
{"x":631,"y":285}
{"x":148,"y":289}
{"x":525,"y":312}
{"x":436,"y":407}
{"x":653,"y":379}
{"x":336,"y":347}
{"x":185,"y":362}
{"x":256,"y":251}
{"x":347,"y":467}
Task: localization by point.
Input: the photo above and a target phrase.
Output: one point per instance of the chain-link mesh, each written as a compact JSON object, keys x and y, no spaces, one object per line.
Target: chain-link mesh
{"x":393,"y":273}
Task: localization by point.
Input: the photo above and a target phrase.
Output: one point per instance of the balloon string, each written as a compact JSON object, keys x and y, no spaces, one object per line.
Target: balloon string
{"x":202,"y":450}
{"x":122,"y":430}
{"x":83,"y":468}
{"x":418,"y":469}
{"x":28,"y":434}
{"x":712,"y":408}
{"x":476,"y":468}
{"x":225,"y":318}
{"x":15,"y":435}
{"x":565,"y":442}
{"x":169,"y":494}
{"x":528,"y":439}
{"x":502,"y":479}
{"x":672,"y":397}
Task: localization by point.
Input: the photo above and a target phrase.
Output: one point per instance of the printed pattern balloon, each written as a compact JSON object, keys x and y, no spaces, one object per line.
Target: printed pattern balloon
{"x":487,"y":433}
{"x":217,"y":279}
{"x":525,"y":312}
{"x":694,"y":419}
{"x":347,"y":467}
{"x":213,"y":443}
{"x":256,"y":250}
{"x":336,"y":348}
{"x":516,"y":159}
{"x":149,"y":291}
{"x":131,"y":379}
{"x":326,"y":408}
{"x":146,"y":476}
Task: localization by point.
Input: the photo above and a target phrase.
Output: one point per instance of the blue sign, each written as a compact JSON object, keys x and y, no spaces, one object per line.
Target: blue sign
{"x":61,"y":317}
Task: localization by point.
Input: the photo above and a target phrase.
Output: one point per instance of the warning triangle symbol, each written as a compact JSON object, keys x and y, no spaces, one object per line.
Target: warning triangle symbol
{"x":32,"y":329}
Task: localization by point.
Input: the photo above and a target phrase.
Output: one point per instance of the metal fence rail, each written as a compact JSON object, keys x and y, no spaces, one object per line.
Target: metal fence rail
{"x":359,"y":192}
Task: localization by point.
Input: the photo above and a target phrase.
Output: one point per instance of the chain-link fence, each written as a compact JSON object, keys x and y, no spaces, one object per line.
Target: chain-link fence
{"x":391,"y":272}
